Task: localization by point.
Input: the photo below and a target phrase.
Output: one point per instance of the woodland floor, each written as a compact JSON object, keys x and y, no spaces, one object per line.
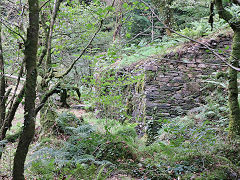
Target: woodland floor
{"x":6,"y":164}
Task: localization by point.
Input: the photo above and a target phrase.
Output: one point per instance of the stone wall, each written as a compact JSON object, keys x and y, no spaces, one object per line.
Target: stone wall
{"x":173,"y":83}
{"x":170,"y":85}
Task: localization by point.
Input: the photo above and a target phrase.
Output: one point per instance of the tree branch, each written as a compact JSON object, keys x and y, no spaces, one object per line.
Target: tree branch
{"x":11,"y":113}
{"x":81,"y":54}
{"x":46,"y":96}
{"x":84,"y":50}
{"x":193,"y":40}
{"x":10,"y":29}
{"x":224,"y":14}
{"x":44,"y":4}
{"x":57,"y":4}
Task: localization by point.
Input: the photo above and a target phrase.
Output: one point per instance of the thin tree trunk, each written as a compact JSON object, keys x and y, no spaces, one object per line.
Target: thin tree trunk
{"x":30,"y":54}
{"x":2,"y":89}
{"x":166,"y":12}
{"x":57,"y":4}
{"x":2,"y":83}
{"x":48,"y":63}
{"x":234,"y":124}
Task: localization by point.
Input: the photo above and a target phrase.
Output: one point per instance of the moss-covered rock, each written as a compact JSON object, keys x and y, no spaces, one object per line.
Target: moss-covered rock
{"x":115,"y":152}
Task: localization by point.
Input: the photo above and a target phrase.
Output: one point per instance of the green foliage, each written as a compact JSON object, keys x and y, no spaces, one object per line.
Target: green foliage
{"x":74,"y":157}
{"x":84,"y":148}
{"x":235,"y":12}
{"x":49,"y":170}
{"x":187,"y":162}
{"x":114,"y":152}
{"x":185,"y":12}
{"x":14,"y":134}
{"x":83,"y":142}
{"x":67,"y":122}
{"x":110,"y":85}
{"x":187,"y":147}
{"x":201,"y":27}
{"x":126,"y":132}
{"x":183,"y":131}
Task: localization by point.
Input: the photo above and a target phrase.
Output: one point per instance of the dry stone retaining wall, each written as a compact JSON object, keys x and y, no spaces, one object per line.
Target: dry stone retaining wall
{"x":170,"y":85}
{"x":173,"y":83}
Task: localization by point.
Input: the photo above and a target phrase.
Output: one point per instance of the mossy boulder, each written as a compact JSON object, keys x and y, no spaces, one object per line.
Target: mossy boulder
{"x":115,"y":152}
{"x":65,"y":122}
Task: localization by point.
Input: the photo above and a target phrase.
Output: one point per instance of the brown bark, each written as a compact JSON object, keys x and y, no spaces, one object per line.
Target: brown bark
{"x":30,"y":55}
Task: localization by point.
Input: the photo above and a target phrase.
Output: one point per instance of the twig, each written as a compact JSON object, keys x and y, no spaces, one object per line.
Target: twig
{"x":81,"y":54}
{"x":15,"y":90}
{"x":11,"y":113}
{"x":44,"y":4}
{"x":186,"y":37}
{"x":10,"y":29}
{"x":14,"y":77}
{"x":46,"y":96}
{"x":139,"y":34}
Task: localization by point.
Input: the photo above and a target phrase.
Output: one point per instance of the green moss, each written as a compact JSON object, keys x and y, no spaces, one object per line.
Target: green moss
{"x":150,"y":75}
{"x":221,"y":74}
{"x":234,"y":124}
{"x":48,"y":119}
{"x":139,"y":87}
{"x":114,"y":152}
{"x":13,"y":137}
{"x":129,"y":106}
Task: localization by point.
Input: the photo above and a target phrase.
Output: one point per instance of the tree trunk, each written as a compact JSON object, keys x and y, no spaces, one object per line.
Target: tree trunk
{"x":2,"y":83}
{"x":57,"y":4}
{"x":165,"y":10}
{"x":2,"y":90}
{"x":63,"y":98}
{"x":234,"y":118}
{"x":30,"y":54}
{"x":234,"y":124}
{"x":47,"y":73}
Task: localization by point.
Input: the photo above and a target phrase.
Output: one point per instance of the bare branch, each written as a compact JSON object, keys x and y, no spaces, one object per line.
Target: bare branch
{"x":16,"y":87}
{"x":84,"y":50}
{"x":81,"y":54}
{"x":11,"y":113}
{"x":10,"y":29}
{"x":46,"y":96}
{"x":57,"y":4}
{"x":44,"y":4}
{"x":193,"y":40}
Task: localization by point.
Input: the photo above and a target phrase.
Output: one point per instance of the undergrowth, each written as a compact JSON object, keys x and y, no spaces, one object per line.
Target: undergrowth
{"x":194,"y":146}
{"x":144,"y":49}
{"x":191,"y":147}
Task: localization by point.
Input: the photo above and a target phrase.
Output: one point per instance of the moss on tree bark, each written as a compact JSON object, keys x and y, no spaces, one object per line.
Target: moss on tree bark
{"x":234,"y":124}
{"x":234,"y":118}
{"x":30,"y":55}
